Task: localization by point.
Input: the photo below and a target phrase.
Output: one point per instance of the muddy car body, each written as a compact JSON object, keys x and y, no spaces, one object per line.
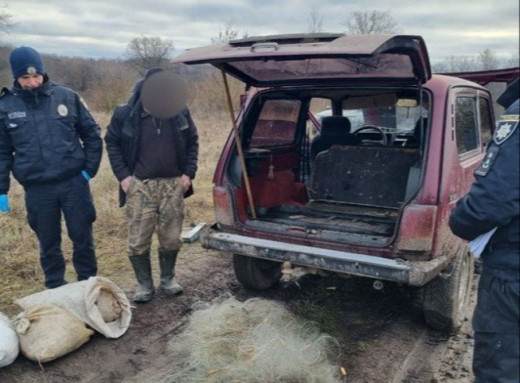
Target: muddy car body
{"x":377,"y":206}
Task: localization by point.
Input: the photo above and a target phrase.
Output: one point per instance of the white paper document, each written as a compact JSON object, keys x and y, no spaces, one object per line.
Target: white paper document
{"x":478,"y":244}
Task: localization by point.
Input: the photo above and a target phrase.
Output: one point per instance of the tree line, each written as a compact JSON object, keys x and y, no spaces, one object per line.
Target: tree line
{"x":105,"y":83}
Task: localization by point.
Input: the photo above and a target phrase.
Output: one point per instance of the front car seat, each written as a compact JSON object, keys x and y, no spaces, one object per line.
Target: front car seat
{"x":335,"y":130}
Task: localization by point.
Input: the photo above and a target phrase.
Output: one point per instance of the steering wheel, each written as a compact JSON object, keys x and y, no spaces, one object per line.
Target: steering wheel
{"x":384,"y":139}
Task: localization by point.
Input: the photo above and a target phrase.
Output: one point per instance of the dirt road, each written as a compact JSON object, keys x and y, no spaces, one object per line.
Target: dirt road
{"x":383,"y":337}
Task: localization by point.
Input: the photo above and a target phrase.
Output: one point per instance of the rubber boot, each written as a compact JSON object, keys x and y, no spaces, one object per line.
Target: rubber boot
{"x":143,"y":272}
{"x":168,"y":283}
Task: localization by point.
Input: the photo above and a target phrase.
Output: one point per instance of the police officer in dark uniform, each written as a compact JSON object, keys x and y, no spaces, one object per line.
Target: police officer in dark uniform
{"x":493,"y":202}
{"x":52,"y":146}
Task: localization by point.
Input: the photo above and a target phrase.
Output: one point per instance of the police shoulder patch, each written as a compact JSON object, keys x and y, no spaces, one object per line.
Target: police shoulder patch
{"x":488,"y":161}
{"x":505,"y":128}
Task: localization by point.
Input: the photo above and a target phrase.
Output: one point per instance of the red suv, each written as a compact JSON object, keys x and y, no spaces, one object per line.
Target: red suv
{"x":368,"y":191}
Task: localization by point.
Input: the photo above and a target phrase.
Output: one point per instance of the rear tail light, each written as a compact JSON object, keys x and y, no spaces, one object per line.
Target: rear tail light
{"x":223,"y":206}
{"x":417,"y":228}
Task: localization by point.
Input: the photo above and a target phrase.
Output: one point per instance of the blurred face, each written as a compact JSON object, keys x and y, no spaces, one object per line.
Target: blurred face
{"x":30,"y":81}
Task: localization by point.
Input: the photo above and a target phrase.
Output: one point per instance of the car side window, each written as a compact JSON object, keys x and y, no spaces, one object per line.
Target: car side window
{"x":485,"y":121}
{"x":466,"y":124}
{"x":276,"y":124}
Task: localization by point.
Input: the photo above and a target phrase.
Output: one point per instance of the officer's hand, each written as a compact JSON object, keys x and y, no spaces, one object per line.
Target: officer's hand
{"x":125,"y":184}
{"x":186,"y":182}
{"x":86,"y":175}
{"x":4,"y":203}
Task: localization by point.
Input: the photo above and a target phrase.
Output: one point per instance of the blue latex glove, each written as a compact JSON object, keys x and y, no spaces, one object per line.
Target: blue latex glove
{"x":86,"y":175}
{"x":4,"y":203}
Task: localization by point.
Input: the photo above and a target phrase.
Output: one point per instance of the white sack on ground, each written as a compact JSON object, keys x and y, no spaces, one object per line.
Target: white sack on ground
{"x":257,"y":341}
{"x":47,"y":332}
{"x":9,"y":344}
{"x":98,"y":302}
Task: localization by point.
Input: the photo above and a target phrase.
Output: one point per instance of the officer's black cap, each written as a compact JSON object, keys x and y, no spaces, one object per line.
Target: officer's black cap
{"x":510,"y":95}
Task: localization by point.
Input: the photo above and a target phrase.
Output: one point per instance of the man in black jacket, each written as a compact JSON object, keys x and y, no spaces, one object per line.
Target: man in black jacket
{"x":52,"y":146}
{"x":493,"y":204}
{"x":154,"y":157}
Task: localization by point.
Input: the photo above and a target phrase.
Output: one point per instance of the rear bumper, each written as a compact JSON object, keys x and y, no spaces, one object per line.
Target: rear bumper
{"x":411,"y":273}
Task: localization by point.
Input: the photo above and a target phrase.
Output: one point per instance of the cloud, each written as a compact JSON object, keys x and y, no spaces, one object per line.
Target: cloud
{"x":103,"y":28}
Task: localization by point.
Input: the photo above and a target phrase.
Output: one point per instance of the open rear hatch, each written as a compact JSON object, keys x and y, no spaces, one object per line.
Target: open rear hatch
{"x":311,"y":58}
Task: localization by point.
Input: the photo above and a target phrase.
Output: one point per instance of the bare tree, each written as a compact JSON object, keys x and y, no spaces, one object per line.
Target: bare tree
{"x":227,"y":34}
{"x":147,"y":52}
{"x":315,"y":21}
{"x":456,"y":64}
{"x":6,"y":23}
{"x":75,"y":72}
{"x":488,"y":60}
{"x":114,"y":86}
{"x":485,"y":60}
{"x":511,"y":61}
{"x":371,"y":23}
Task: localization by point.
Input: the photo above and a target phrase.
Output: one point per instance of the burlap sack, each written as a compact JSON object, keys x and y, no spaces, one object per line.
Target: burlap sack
{"x":98,"y":302}
{"x":9,"y":344}
{"x":47,"y":332}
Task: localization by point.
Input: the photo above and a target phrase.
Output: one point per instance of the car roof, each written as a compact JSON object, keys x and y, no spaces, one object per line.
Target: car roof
{"x":447,"y":80}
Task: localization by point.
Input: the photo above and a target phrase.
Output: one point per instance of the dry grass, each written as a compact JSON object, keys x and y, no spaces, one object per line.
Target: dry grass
{"x":21,"y":274}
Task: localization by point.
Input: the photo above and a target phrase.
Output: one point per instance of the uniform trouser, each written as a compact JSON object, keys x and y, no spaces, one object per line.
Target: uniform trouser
{"x":150,"y":204}
{"x":45,"y":203}
{"x":495,"y":322}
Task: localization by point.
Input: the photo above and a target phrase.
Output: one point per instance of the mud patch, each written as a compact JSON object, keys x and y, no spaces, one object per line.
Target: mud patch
{"x":383,"y":338}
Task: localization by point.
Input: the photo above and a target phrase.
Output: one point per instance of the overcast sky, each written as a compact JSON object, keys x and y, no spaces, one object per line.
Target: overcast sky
{"x":103,"y":28}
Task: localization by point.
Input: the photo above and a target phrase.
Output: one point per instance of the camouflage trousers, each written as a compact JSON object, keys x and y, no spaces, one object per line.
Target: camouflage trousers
{"x":150,"y":204}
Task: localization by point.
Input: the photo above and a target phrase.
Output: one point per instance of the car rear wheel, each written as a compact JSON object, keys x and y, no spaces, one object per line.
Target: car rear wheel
{"x":446,"y":297}
{"x":255,"y":273}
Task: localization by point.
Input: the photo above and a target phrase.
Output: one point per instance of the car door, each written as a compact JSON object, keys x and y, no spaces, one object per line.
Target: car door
{"x":469,"y":127}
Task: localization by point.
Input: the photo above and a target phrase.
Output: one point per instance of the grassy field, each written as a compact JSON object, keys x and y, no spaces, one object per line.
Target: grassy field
{"x":21,"y":274}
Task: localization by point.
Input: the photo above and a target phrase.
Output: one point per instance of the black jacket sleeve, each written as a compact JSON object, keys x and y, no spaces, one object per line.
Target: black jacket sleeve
{"x":493,"y":200}
{"x":114,"y":144}
{"x":191,"y":142}
{"x":6,"y":157}
{"x":90,"y":135}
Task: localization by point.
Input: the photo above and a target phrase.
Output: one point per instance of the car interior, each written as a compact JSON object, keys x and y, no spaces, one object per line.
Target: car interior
{"x":334,"y":160}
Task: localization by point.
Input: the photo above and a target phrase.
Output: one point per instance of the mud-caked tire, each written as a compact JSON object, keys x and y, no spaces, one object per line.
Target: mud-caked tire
{"x":445,"y":299}
{"x":256,"y":274}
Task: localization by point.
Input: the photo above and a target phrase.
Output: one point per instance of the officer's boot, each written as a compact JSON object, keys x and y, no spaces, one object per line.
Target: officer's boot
{"x":143,"y":272}
{"x":168,"y":283}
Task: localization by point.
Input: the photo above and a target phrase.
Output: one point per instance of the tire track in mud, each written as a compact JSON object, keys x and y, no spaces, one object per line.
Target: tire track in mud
{"x":438,"y":357}
{"x":423,"y":359}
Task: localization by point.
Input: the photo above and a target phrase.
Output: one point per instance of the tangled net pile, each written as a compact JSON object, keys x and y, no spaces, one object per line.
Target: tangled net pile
{"x":257,"y":341}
